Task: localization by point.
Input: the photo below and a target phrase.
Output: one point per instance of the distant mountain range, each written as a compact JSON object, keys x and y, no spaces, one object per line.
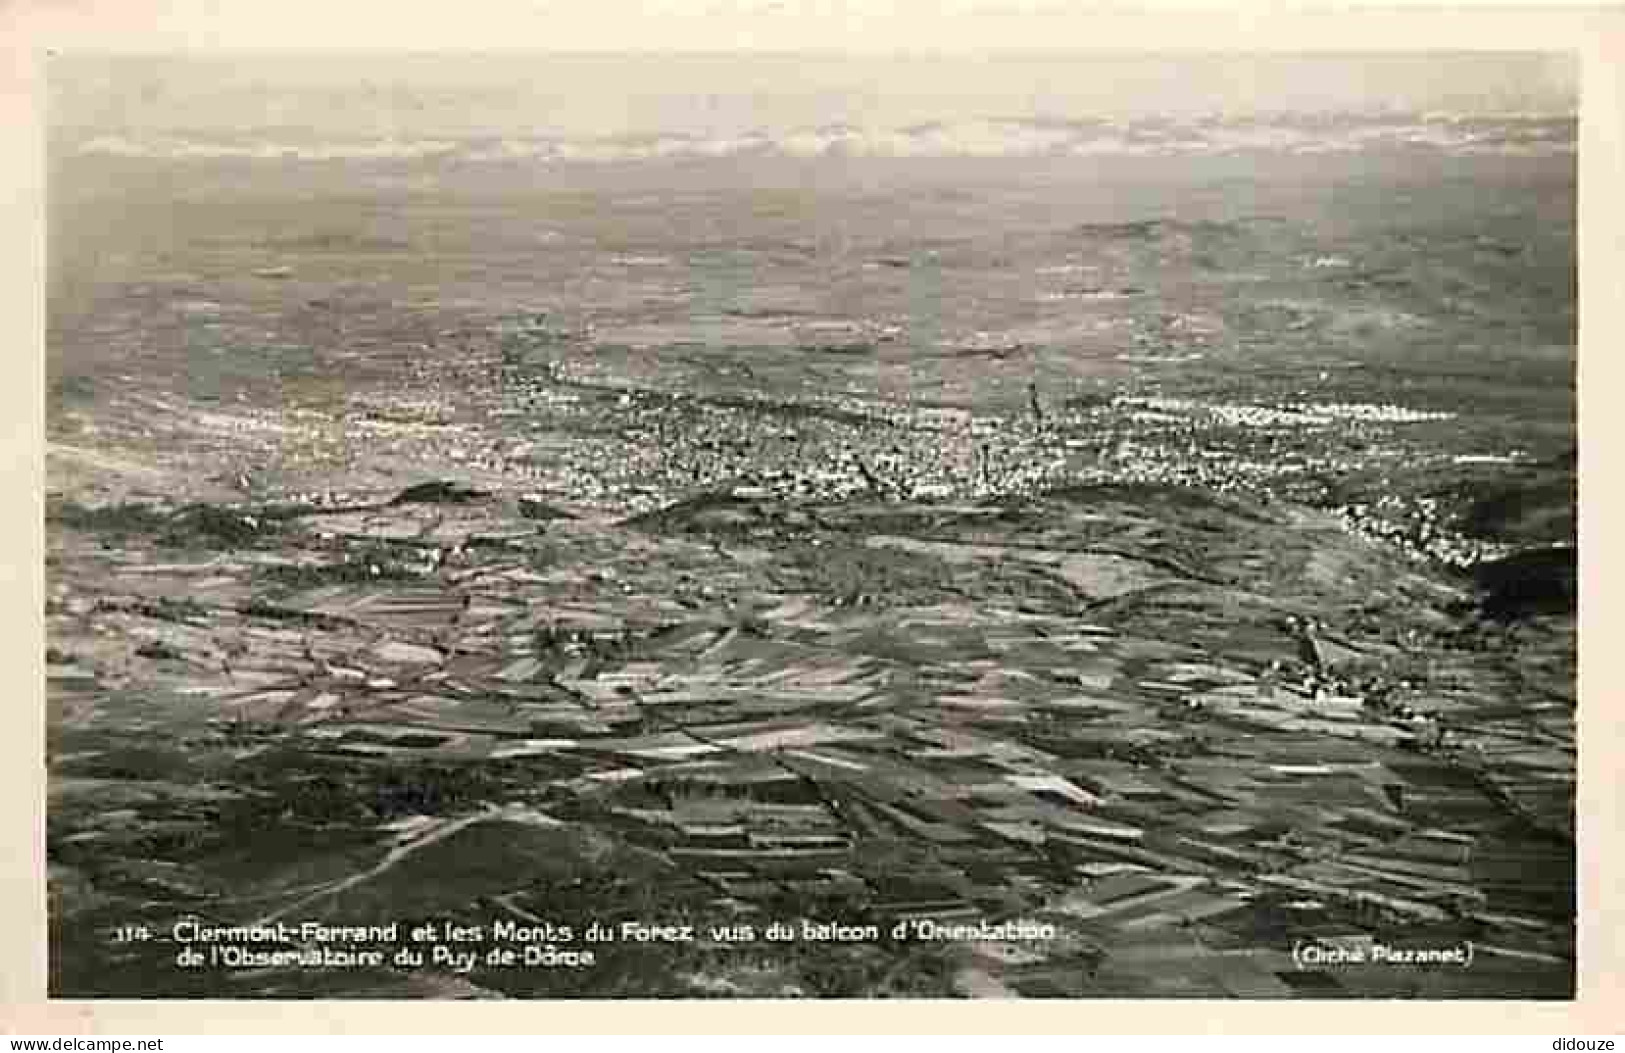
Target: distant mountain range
{"x":1450,"y":133}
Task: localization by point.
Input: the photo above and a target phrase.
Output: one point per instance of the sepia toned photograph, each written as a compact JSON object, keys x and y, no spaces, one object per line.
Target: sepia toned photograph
{"x":811,"y":526}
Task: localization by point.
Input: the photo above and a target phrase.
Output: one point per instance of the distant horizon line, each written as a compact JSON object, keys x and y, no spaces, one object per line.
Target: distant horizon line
{"x":1375,"y":114}
{"x":1027,"y":136}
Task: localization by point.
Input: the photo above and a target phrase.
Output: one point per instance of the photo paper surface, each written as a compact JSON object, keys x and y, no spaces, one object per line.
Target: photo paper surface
{"x":1043,"y":526}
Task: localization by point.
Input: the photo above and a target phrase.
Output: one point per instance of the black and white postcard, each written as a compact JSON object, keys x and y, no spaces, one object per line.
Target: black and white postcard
{"x":1042,"y":524}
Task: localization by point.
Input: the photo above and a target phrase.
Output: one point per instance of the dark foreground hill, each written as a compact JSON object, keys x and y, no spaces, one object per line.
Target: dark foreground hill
{"x":1134,"y":740}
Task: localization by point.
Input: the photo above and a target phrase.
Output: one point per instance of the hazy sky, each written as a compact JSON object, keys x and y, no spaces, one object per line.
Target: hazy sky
{"x":578,"y":95}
